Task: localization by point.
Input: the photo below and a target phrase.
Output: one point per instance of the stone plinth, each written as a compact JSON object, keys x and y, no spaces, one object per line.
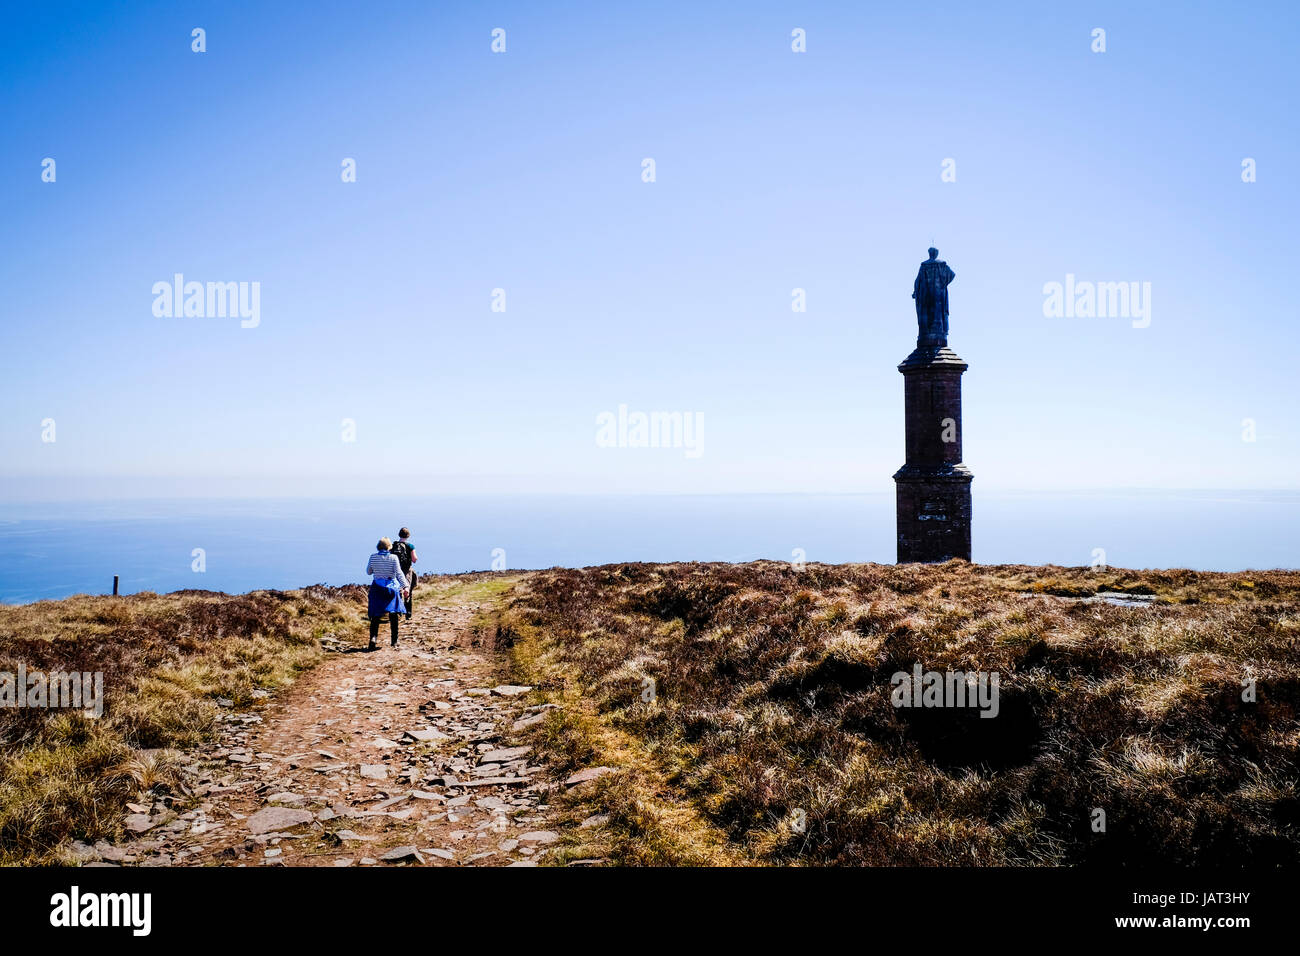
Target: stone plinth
{"x":933,"y":487}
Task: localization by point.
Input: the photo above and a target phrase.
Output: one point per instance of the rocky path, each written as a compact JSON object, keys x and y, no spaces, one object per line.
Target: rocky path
{"x":402,"y":756}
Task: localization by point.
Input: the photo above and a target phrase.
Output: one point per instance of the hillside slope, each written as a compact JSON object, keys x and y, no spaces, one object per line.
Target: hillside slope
{"x":746,"y":713}
{"x":255,"y":730}
{"x":170,"y":664}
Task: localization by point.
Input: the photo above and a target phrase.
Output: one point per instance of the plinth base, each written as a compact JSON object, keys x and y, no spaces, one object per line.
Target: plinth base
{"x":934,"y":513}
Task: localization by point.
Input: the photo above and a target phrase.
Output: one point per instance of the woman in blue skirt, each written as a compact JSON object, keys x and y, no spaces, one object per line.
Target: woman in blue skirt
{"x":388,"y":590}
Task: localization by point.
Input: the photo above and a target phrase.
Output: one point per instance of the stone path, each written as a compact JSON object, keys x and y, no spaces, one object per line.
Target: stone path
{"x":402,"y":756}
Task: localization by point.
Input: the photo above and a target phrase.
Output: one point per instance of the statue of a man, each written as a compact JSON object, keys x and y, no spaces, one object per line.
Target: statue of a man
{"x":931,"y":294}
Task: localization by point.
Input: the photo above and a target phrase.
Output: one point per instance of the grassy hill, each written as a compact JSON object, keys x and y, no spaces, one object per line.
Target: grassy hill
{"x":169,"y":663}
{"x":747,"y":712}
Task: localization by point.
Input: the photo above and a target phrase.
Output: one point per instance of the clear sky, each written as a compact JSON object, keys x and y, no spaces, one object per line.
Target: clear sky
{"x":523,"y":171}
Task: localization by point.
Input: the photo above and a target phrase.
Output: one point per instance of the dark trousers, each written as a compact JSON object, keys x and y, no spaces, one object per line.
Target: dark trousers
{"x":392,"y":626}
{"x":410,"y":596}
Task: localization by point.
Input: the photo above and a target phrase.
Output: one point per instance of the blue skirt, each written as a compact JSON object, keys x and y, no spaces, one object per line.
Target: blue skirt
{"x":385,"y":598}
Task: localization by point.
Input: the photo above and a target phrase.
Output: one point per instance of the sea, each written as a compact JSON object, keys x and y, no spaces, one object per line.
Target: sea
{"x":51,"y":550}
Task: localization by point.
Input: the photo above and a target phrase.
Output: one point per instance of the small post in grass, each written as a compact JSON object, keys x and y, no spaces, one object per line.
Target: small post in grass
{"x":115,"y":585}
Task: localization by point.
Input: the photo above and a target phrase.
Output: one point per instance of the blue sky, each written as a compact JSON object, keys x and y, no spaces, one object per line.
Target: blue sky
{"x":522,"y":171}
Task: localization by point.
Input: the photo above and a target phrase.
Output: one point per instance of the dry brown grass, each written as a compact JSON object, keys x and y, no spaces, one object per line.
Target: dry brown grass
{"x":772,"y":738}
{"x":166,"y":660}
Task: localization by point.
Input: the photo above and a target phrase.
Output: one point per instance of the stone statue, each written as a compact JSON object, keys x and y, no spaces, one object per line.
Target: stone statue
{"x":931,"y":294}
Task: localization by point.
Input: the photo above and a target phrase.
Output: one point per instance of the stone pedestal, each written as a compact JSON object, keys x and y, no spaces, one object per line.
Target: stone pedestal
{"x":933,"y":487}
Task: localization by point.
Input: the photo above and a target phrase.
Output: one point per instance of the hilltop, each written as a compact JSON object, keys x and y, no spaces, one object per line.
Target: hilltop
{"x":672,"y":714}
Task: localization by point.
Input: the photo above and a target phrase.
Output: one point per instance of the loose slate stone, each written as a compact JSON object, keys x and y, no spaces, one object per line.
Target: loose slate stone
{"x":293,"y":799}
{"x":425,"y":736}
{"x":501,"y":756}
{"x":523,"y":723}
{"x":391,"y":802}
{"x":140,"y":823}
{"x":586,"y":776}
{"x":539,"y":836}
{"x":109,"y":852}
{"x":400,"y":853}
{"x":269,"y":819}
{"x":510,"y":690}
{"x":374,"y":771}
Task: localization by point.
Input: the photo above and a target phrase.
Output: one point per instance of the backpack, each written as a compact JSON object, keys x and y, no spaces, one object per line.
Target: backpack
{"x":403,"y":552}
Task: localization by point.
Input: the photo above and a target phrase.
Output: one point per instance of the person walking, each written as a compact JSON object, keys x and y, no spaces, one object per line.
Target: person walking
{"x":387,"y":590}
{"x":405,"y":552}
